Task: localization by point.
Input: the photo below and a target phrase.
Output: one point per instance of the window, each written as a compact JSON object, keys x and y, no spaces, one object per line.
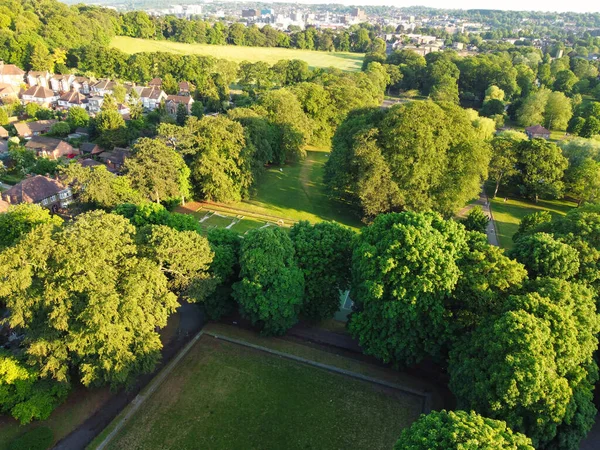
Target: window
{"x":45,"y":202}
{"x":53,"y":198}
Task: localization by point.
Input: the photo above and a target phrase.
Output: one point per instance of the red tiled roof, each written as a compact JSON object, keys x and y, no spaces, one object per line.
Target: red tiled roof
{"x":28,"y":128}
{"x":39,"y":92}
{"x":185,"y":99}
{"x":10,"y":69}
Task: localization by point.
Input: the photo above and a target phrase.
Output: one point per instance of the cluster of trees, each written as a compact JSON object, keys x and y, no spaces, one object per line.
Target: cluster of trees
{"x":517,"y":336}
{"x":358,"y":38}
{"x":418,"y":156}
{"x":543,"y":169}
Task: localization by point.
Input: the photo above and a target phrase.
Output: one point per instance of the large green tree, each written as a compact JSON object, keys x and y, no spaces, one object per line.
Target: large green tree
{"x":404,"y":269}
{"x":88,"y":305}
{"x":531,"y":365}
{"x":544,"y":256}
{"x":271,"y":287}
{"x":504,"y":157}
{"x":21,"y":219}
{"x":460,"y":430}
{"x":158,"y":171}
{"x":324,"y":253}
{"x":541,"y":167}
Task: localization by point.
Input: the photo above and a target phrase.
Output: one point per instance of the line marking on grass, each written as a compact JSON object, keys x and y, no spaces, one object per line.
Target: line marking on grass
{"x":424,"y":395}
{"x":147,"y":392}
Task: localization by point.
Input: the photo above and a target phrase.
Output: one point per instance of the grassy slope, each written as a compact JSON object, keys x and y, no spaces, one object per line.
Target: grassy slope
{"x":297,"y":192}
{"x":315,"y":59}
{"x":508,"y":215}
{"x":223,"y":396}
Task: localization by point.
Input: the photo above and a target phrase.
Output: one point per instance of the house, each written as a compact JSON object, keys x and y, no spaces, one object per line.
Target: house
{"x":89,"y":148}
{"x":62,"y":83}
{"x":29,"y":129}
{"x":11,"y":74}
{"x":40,"y":95}
{"x":8,"y":93}
{"x":49,"y":193}
{"x":83,"y":132}
{"x":115,"y":159}
{"x":173,"y":102}
{"x":35,"y":78}
{"x":73,"y":98}
{"x":184,"y":88}
{"x":95,"y":103}
{"x":537,"y":131}
{"x":102,"y":88}
{"x":50,"y":148}
{"x":155,"y":82}
{"x":151,"y":97}
{"x":81,"y":84}
{"x":124,"y":110}
{"x":3,"y":133}
{"x":88,"y":162}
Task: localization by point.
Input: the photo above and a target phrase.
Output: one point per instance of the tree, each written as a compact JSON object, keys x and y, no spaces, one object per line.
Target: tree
{"x":404,"y":266}
{"x":183,"y":256}
{"x":532,"y":110}
{"x":24,"y":395}
{"x":60,"y":129}
{"x":541,"y":166}
{"x":3,"y":116}
{"x":21,"y":219}
{"x":77,"y":117}
{"x":531,"y":222}
{"x":476,"y":220}
{"x":99,"y":322}
{"x":197,"y":110}
{"x":544,"y":256}
{"x":590,"y":128}
{"x":148,"y":213}
{"x":157,"y":171}
{"x":531,"y":365}
{"x":111,"y":127}
{"x":504,"y":157}
{"x":40,"y":59}
{"x":169,"y":84}
{"x":457,"y":430}
{"x":494,"y":93}
{"x":435,"y":159}
{"x":95,"y":187}
{"x":225,"y":269}
{"x":582,"y":177}
{"x":271,"y":286}
{"x":323,"y":253}
{"x":182,"y":114}
{"x":565,"y":80}
{"x":557,"y":112}
{"x":217,"y":154}
{"x":492,"y":108}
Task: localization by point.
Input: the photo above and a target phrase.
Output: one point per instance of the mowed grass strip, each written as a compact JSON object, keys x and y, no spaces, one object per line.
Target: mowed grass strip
{"x":349,"y":62}
{"x":508,"y":215}
{"x":225,"y":396}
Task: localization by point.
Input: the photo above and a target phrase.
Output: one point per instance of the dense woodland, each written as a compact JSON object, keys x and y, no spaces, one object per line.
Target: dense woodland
{"x":516,"y":333}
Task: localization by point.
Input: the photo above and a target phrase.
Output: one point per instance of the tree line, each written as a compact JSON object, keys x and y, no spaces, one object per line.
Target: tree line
{"x":517,"y":335}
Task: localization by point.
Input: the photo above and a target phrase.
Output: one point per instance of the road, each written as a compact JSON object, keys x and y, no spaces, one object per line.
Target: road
{"x":484,"y":202}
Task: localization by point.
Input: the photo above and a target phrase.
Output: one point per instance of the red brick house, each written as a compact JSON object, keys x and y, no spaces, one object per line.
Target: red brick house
{"x":51,"y":148}
{"x":49,"y":193}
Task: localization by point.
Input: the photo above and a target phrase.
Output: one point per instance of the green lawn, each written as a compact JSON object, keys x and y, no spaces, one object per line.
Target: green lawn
{"x":224,"y":396}
{"x":315,"y":59}
{"x":508,"y":215}
{"x":297,"y":192}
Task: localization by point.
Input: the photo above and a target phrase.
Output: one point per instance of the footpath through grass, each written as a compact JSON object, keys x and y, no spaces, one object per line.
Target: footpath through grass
{"x":349,"y":62}
{"x":224,"y":396}
{"x":508,"y":215}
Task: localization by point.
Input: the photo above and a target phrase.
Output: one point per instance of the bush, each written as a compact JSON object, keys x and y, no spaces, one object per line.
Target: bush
{"x":40,"y":438}
{"x":477,"y":220}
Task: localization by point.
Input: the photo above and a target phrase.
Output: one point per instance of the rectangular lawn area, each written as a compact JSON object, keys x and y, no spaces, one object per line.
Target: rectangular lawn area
{"x":225,"y":396}
{"x":349,"y":62}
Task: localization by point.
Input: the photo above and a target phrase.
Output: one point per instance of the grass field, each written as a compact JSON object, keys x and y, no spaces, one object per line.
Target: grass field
{"x":292,"y":193}
{"x":508,"y":215}
{"x":341,"y":60}
{"x":224,"y":396}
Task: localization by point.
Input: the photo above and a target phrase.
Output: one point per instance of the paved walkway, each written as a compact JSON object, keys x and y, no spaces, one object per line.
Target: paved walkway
{"x":484,"y":202}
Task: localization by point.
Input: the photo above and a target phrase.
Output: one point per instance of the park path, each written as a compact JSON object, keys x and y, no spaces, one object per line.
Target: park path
{"x":484,"y":202}
{"x":191,"y":322}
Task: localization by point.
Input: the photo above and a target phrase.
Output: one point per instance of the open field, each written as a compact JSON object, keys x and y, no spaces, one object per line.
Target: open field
{"x":224,"y":396}
{"x":348,"y":62}
{"x":508,"y":215}
{"x":292,"y":193}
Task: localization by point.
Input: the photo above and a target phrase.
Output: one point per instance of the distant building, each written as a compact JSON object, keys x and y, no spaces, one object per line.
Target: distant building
{"x":115,"y":159}
{"x":173,"y":102}
{"x":29,"y":129}
{"x":537,"y":132}
{"x":46,"y":147}
{"x":40,"y":95}
{"x":38,"y":78}
{"x":11,"y":74}
{"x":49,"y":193}
{"x":250,"y":13}
{"x":358,"y":14}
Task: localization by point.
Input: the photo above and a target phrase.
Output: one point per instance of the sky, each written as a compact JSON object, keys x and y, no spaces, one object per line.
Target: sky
{"x":515,"y":5}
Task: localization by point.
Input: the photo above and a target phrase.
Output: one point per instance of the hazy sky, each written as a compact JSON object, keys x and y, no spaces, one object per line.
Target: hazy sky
{"x":530,"y":5}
